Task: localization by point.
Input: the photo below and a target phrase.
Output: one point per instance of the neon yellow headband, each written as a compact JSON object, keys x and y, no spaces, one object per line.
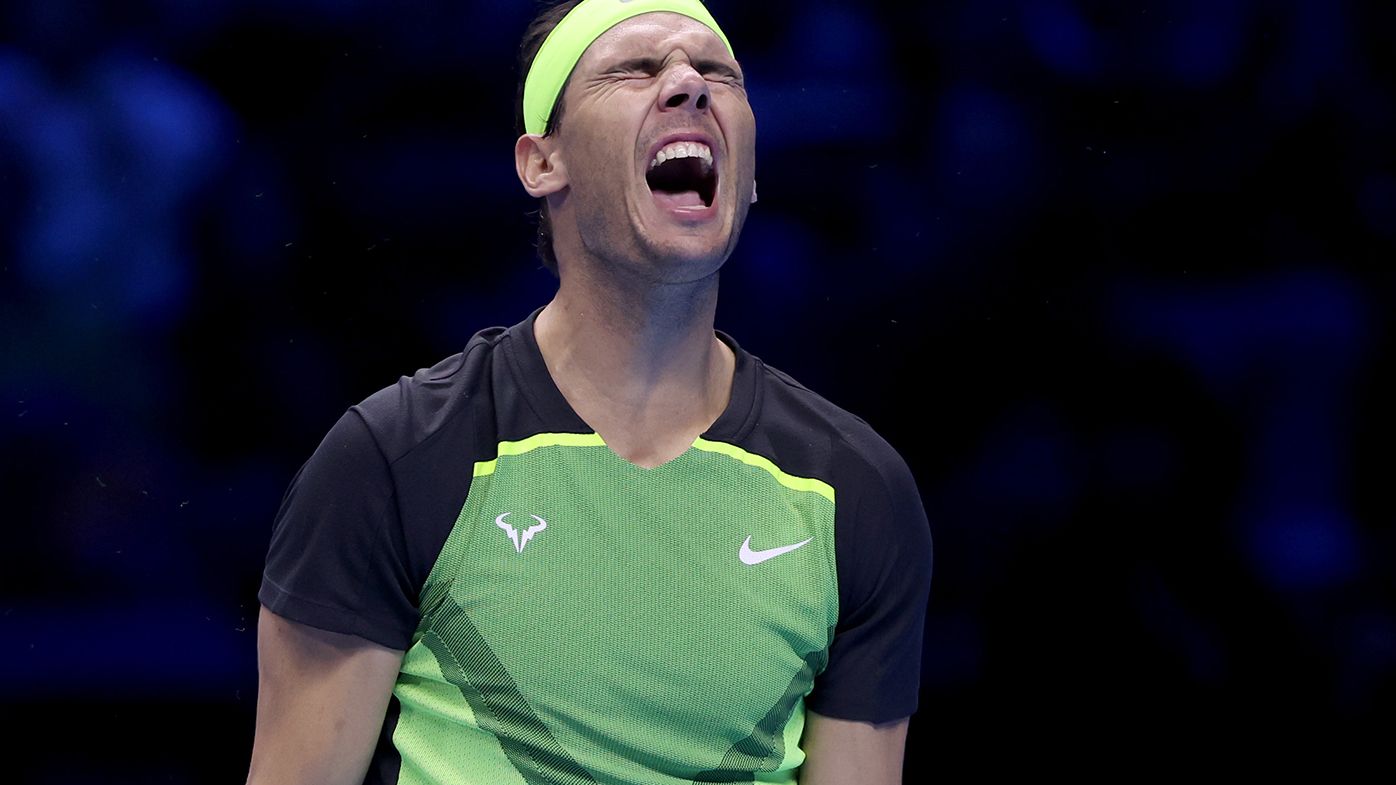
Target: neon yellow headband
{"x":583,"y":25}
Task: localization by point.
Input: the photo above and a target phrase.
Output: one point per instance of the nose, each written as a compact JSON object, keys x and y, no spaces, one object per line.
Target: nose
{"x":684,"y":88}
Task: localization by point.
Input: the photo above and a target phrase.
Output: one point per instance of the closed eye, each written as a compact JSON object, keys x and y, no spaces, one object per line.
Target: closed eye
{"x":646,"y":66}
{"x":723,"y":72}
{"x":711,"y":70}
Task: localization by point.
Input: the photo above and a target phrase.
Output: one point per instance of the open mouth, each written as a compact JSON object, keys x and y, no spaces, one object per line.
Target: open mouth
{"x":682,"y":175}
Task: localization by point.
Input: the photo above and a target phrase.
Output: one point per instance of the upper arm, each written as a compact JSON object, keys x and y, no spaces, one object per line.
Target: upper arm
{"x":838,"y":752}
{"x":321,"y":700}
{"x":883,"y":551}
{"x":338,"y":557}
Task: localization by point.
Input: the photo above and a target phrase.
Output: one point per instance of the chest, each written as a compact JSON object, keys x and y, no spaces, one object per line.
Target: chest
{"x":655,"y":619}
{"x":708,"y":572}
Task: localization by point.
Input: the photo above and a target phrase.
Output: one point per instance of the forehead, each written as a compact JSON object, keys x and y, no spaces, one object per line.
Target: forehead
{"x":654,"y":35}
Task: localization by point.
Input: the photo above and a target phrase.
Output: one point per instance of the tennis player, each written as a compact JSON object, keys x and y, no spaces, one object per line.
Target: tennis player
{"x":605,"y":544}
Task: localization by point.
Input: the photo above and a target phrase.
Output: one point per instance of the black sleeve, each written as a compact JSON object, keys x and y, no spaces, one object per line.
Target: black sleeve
{"x":883,"y":548}
{"x":337,"y":559}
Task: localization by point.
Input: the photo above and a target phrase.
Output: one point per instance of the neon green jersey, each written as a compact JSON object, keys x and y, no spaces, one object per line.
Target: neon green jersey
{"x":569,"y":617}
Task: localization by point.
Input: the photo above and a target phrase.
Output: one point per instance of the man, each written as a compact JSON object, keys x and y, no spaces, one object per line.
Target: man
{"x":606,"y":544}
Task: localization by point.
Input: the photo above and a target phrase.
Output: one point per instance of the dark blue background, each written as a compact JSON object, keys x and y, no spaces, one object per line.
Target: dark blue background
{"x":1114,"y":277}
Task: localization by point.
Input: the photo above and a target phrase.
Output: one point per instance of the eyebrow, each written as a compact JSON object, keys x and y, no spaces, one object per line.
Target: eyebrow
{"x":652,"y":65}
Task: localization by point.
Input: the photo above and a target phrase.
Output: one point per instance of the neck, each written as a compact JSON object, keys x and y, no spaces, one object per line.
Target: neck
{"x":637,"y":360}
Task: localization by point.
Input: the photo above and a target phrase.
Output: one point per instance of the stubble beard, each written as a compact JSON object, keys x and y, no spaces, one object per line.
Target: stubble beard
{"x":621,"y":245}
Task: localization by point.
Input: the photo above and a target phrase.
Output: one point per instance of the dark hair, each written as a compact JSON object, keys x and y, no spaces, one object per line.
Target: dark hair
{"x":537,"y":32}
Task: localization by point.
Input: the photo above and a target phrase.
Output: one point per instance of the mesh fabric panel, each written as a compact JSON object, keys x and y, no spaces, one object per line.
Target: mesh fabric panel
{"x":625,"y":642}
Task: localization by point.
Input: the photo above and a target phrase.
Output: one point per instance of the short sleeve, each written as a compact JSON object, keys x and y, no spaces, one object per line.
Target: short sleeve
{"x":883,"y":549}
{"x":337,"y":557}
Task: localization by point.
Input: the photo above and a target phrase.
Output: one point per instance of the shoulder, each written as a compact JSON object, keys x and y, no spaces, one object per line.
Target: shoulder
{"x":408,"y":413}
{"x":880,"y":521}
{"x":840,"y":443}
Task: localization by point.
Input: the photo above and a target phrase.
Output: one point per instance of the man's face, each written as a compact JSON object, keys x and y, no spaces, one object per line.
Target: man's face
{"x":659,"y":87}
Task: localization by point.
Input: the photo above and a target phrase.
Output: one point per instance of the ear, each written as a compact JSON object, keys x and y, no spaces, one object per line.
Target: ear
{"x":753,"y":192}
{"x":539,"y":165}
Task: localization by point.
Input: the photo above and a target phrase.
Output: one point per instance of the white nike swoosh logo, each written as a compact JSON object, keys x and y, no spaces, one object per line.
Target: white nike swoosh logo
{"x":748,"y":556}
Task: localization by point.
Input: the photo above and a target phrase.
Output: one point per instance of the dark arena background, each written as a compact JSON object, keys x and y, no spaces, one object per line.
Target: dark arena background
{"x":1116,"y":279}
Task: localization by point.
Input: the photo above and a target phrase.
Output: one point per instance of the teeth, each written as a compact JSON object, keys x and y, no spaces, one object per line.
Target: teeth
{"x":684,"y":150}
